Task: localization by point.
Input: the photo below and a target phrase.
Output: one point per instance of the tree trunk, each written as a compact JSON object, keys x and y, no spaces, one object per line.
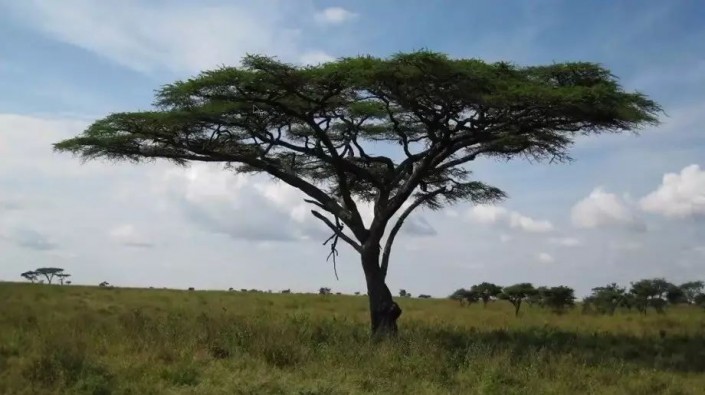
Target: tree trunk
{"x":384,"y":312}
{"x":517,"y":306}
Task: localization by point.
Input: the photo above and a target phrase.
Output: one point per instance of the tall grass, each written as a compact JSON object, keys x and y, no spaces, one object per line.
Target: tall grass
{"x":83,"y":340}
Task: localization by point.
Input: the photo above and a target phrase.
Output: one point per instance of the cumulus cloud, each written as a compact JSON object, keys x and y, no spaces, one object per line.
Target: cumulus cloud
{"x":680,"y":195}
{"x":490,"y":214}
{"x":602,"y":209}
{"x":217,"y":34}
{"x":334,"y":15}
{"x":129,"y":236}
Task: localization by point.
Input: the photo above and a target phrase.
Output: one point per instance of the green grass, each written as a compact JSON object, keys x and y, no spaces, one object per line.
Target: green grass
{"x":82,"y":340}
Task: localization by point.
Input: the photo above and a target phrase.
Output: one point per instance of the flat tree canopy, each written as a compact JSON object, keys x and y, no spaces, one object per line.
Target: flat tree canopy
{"x":386,"y":131}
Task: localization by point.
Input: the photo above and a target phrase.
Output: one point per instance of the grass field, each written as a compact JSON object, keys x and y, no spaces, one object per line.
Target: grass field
{"x":83,"y":340}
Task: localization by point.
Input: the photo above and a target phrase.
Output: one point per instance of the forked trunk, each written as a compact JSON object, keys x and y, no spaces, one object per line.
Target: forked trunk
{"x":384,"y":312}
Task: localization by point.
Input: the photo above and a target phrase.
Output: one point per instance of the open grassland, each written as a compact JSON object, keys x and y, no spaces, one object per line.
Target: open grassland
{"x":83,"y":340}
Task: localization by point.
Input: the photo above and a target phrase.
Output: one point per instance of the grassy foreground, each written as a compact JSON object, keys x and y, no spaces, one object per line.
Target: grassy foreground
{"x":83,"y":340}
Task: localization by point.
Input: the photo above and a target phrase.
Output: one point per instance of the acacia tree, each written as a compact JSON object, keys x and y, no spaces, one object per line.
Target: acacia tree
{"x":62,"y":277}
{"x":30,"y":275}
{"x":516,"y":294}
{"x":49,"y":272}
{"x":558,"y":299}
{"x":463,"y":296}
{"x":396,"y":133}
{"x":486,"y":291}
{"x":691,"y":289}
{"x":606,"y":299}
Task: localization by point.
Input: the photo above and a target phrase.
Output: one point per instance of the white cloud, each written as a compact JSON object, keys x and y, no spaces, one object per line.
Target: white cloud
{"x":600,"y":209}
{"x":527,"y":224}
{"x":334,"y":15}
{"x":680,"y":195}
{"x":487,"y":214}
{"x":490,"y":214}
{"x":182,"y":37}
{"x":128,"y":235}
{"x":545,"y":257}
{"x":315,"y":57}
{"x":565,"y":241}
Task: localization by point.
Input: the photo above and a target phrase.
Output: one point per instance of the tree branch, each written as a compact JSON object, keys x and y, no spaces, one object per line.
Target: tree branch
{"x":337,"y":231}
{"x":397,"y":226}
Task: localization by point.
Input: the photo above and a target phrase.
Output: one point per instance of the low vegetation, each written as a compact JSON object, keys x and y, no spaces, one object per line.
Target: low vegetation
{"x":102,"y":340}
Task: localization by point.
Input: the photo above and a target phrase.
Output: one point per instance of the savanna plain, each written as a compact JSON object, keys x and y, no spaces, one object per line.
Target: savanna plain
{"x":92,"y":340}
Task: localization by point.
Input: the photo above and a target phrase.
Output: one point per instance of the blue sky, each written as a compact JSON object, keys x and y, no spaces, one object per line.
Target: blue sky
{"x":612,"y":215}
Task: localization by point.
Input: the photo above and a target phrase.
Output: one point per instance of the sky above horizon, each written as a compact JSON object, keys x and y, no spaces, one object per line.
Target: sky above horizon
{"x":629,"y":207}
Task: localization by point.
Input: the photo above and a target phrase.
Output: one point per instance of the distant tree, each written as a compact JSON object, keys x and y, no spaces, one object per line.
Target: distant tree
{"x":676,"y":295}
{"x":49,"y":272}
{"x":516,"y":294}
{"x":650,"y":293}
{"x":191,"y":288}
{"x":424,"y":296}
{"x":286,"y":291}
{"x":464,"y":296}
{"x":558,"y":299}
{"x":104,"y":284}
{"x":536,"y":298}
{"x":68,"y":282}
{"x":399,"y":133}
{"x":243,"y":290}
{"x":404,"y":294}
{"x":692,"y":289}
{"x":357,"y":293}
{"x":606,"y":299}
{"x":30,"y":275}
{"x":486,"y":291}
{"x":338,"y":293}
{"x":324,"y":291}
{"x":62,"y":277}
{"x":699,"y":300}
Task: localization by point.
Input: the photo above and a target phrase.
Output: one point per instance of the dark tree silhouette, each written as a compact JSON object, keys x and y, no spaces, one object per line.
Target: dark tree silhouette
{"x":606,"y":299}
{"x":324,"y":291}
{"x":330,"y":130}
{"x":464,"y":296}
{"x":486,"y":291}
{"x":62,"y":277}
{"x":516,"y":294}
{"x":424,"y":296}
{"x":558,"y":299}
{"x":30,"y":275}
{"x":49,"y":272}
{"x":650,"y":293}
{"x":691,"y":289}
{"x":404,"y":294}
{"x":104,"y":284}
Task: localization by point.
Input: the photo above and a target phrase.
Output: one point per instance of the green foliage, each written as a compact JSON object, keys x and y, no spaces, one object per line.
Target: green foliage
{"x":516,"y":294}
{"x":464,"y":296}
{"x":650,"y":293}
{"x":691,"y":289}
{"x":558,"y":299}
{"x":486,"y":291}
{"x":606,"y":299}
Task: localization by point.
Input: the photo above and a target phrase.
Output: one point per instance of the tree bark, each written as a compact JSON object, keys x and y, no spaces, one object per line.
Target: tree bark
{"x":517,"y":306}
{"x":384,"y":312}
